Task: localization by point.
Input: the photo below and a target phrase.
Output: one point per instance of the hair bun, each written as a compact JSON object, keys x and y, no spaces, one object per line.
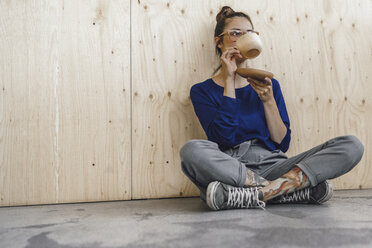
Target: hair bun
{"x":225,"y":11}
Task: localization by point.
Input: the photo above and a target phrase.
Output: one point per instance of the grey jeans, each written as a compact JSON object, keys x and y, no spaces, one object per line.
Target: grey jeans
{"x":203,"y":162}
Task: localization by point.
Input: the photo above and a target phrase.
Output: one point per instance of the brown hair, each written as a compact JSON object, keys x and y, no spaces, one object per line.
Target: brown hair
{"x":225,"y":13}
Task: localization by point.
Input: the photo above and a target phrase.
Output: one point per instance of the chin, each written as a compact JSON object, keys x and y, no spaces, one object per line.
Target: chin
{"x":240,"y":61}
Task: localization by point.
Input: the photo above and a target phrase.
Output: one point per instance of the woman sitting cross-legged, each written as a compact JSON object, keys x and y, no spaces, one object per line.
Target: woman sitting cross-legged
{"x":243,"y":163}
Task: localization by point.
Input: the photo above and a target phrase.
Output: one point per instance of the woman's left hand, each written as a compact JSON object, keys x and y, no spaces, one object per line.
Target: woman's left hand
{"x":263,"y":89}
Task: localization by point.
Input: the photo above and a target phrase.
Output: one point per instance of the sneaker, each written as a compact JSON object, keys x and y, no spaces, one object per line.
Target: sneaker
{"x":223,"y":196}
{"x":315,"y":195}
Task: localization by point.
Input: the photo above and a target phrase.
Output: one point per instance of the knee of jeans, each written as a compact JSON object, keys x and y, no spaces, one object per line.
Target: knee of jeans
{"x":192,"y":148}
{"x":187,"y":170}
{"x":355,"y":150}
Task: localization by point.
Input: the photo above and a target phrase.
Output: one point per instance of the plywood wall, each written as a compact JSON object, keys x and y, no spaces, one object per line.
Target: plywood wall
{"x":95,"y":94}
{"x":28,"y":79}
{"x":174,"y":51}
{"x":65,"y":101}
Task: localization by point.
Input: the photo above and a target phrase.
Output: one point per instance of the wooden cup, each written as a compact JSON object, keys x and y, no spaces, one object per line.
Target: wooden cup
{"x":249,"y":45}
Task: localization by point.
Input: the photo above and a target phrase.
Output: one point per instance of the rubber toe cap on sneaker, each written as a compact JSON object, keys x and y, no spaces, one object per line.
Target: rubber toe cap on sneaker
{"x":216,"y":196}
{"x":321,"y":192}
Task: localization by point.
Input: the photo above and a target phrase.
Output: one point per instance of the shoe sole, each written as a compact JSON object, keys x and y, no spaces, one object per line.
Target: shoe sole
{"x":210,"y":195}
{"x":329,"y":193}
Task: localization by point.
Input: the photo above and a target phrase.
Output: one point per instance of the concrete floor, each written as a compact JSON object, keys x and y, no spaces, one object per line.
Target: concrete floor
{"x":344,"y":221}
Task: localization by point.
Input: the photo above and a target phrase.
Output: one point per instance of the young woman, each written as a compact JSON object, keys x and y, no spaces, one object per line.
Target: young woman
{"x":243,"y":163}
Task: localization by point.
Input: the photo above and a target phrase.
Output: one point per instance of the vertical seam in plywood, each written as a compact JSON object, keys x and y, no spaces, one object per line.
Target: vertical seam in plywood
{"x":56,"y":134}
{"x":131,"y":101}
{"x":56,"y":140}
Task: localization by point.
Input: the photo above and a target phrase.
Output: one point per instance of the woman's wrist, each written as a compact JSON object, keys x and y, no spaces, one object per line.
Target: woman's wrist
{"x":229,"y":89}
{"x":229,"y":80}
{"x":269,"y":102}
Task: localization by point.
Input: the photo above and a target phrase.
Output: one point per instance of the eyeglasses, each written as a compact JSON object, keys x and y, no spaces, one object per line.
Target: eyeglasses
{"x":235,"y":34}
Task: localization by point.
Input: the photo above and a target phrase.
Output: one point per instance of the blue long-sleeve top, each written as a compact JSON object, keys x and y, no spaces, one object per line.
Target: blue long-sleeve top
{"x":231,"y":121}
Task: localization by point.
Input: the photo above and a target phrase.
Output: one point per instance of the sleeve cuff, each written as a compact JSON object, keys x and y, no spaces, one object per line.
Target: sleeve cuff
{"x":284,"y":145}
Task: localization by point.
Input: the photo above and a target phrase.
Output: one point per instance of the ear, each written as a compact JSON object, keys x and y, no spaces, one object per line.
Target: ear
{"x":217,"y":41}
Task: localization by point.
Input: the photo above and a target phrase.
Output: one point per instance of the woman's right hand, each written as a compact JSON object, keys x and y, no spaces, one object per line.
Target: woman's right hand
{"x":228,"y":61}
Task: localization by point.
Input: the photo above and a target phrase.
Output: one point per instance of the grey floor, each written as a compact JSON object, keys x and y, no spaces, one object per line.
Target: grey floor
{"x":344,"y":221}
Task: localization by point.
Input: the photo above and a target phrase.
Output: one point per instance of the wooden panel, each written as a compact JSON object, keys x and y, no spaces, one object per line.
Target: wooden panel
{"x":318,"y":50}
{"x":27,"y":84}
{"x":173,"y":51}
{"x":65,"y":101}
{"x":94,"y":101}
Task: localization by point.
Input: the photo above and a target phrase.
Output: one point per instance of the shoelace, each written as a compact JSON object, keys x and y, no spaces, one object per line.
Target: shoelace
{"x":297,"y":196}
{"x":244,"y":198}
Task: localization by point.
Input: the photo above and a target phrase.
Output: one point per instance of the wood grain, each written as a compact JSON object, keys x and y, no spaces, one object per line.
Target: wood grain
{"x":27,"y":84}
{"x":94,"y":133}
{"x":65,"y":80}
{"x":174,"y":51}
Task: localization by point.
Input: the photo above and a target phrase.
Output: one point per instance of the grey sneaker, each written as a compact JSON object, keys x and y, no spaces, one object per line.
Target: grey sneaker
{"x":315,"y":195}
{"x":223,"y":196}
